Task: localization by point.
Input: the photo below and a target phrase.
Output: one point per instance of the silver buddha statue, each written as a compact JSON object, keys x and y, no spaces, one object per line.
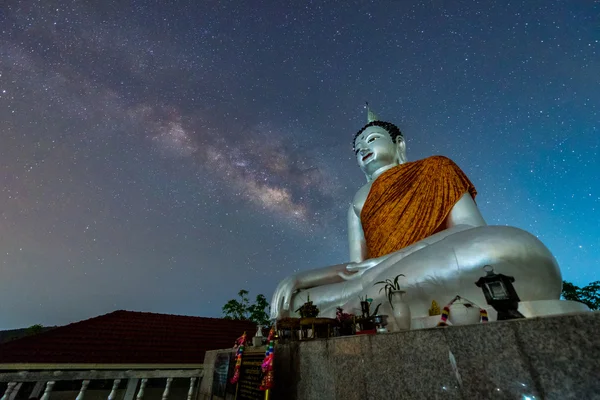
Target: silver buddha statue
{"x":420,"y":219}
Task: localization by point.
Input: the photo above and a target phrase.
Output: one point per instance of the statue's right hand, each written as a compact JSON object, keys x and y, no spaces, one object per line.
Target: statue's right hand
{"x":280,"y":305}
{"x":362,"y":266}
{"x":355,"y":270}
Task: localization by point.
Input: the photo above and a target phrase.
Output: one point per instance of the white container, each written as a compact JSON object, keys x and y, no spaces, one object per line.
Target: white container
{"x":463,"y":312}
{"x":400,"y":317}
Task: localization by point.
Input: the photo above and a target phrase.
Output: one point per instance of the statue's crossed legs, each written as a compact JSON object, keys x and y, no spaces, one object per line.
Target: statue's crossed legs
{"x":446,"y":268}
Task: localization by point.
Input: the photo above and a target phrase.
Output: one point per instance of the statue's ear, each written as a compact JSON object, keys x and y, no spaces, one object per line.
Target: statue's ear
{"x":400,"y":149}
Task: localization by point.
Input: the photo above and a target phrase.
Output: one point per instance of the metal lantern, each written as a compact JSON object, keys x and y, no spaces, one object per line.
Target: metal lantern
{"x":500,"y":293}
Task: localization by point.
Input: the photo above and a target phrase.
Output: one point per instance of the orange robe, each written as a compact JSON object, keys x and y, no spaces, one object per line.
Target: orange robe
{"x":411,"y":202}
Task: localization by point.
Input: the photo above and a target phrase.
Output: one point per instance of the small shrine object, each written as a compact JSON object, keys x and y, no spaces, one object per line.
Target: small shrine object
{"x":346,"y":323}
{"x":500,"y":293}
{"x":308,"y":309}
{"x":435,"y":309}
{"x":288,"y":329}
{"x":367,"y":321}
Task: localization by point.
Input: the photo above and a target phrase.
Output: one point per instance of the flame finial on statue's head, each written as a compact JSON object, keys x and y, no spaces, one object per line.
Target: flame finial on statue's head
{"x":371,"y":116}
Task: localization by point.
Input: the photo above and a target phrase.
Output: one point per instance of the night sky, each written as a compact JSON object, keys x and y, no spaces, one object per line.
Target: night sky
{"x":160,"y":157}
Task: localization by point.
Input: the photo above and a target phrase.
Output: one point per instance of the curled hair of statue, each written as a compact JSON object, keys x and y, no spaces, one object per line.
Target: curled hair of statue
{"x":392,"y":129}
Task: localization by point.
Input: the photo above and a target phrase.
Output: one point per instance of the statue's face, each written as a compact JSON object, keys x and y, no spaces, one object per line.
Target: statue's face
{"x":374,"y":149}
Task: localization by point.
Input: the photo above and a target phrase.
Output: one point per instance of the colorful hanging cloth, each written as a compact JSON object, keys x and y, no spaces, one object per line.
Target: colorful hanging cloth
{"x":240,"y":344}
{"x":267,"y":365}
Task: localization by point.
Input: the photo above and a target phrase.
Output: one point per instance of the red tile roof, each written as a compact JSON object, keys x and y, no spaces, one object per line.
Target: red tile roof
{"x":127,"y":337}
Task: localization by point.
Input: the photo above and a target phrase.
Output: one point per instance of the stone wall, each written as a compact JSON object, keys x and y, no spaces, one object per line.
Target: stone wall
{"x":205,"y":390}
{"x":538,"y":358}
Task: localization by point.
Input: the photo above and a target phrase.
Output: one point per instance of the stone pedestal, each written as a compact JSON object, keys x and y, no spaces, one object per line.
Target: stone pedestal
{"x":555,"y":357}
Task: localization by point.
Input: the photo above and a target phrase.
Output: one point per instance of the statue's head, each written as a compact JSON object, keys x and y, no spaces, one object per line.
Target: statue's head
{"x":377,"y":145}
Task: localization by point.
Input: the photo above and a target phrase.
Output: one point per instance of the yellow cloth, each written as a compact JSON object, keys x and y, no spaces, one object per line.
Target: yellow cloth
{"x":410,"y":202}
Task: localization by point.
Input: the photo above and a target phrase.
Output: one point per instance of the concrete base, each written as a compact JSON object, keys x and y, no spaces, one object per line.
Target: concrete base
{"x":537,"y":358}
{"x":556,"y":357}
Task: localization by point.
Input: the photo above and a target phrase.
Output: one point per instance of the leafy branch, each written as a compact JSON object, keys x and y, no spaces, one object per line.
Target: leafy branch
{"x":242,"y":309}
{"x":588,"y":295}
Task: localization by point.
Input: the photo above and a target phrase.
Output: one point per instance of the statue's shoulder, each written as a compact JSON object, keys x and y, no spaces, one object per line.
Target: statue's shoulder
{"x":443,"y":165}
{"x":437,"y":159}
{"x":439,"y":162}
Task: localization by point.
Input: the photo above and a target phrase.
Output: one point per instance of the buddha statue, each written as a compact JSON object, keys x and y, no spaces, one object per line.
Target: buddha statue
{"x":420,"y":219}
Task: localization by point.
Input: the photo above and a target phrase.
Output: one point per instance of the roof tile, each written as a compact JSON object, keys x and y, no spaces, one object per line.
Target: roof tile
{"x":128,"y":337}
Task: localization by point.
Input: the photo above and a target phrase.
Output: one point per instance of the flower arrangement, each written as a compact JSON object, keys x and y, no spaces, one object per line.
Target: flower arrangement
{"x":483,"y":315}
{"x":345,"y":322}
{"x":341,"y":316}
{"x":308,"y":309}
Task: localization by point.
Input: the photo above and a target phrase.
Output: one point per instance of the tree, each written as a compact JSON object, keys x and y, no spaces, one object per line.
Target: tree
{"x":242,"y":309}
{"x":257,"y":311}
{"x":34,"y":329}
{"x":588,"y":295}
{"x":235,"y":309}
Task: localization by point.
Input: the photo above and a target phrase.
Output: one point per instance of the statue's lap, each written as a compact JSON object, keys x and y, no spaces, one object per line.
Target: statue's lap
{"x":450,"y":267}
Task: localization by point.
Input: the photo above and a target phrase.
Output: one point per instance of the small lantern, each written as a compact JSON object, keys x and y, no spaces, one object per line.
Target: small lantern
{"x":500,"y":293}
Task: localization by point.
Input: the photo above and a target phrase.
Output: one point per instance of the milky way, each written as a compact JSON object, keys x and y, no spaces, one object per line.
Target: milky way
{"x":162,"y":157}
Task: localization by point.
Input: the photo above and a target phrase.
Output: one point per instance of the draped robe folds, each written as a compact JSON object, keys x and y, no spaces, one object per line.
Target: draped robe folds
{"x":410,"y":202}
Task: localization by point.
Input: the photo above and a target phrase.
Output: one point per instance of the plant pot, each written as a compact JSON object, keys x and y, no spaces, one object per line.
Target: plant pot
{"x":367,"y":325}
{"x":463,"y":312}
{"x":381,"y":322}
{"x":400,"y":316}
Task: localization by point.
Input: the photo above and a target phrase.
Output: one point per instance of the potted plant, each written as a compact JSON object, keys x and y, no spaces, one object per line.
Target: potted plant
{"x":367,"y":320}
{"x":401,"y":316}
{"x":345,"y":322}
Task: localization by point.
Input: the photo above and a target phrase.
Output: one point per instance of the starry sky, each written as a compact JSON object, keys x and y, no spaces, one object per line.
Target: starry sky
{"x":160,"y":156}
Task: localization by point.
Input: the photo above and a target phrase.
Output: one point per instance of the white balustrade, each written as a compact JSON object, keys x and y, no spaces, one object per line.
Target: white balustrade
{"x":165,"y":394}
{"x":140,"y":394}
{"x":113,"y":391}
{"x":9,"y":390}
{"x":46,"y":380}
{"x":84,"y":386}
{"x":191,"y":390}
{"x":49,"y":386}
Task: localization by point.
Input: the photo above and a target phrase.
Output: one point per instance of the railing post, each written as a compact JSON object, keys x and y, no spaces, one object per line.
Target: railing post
{"x":49,"y":386}
{"x":84,"y":386}
{"x":113,"y":392}
{"x":9,"y":388}
{"x":140,"y":394}
{"x":191,"y":390}
{"x":165,"y":394}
